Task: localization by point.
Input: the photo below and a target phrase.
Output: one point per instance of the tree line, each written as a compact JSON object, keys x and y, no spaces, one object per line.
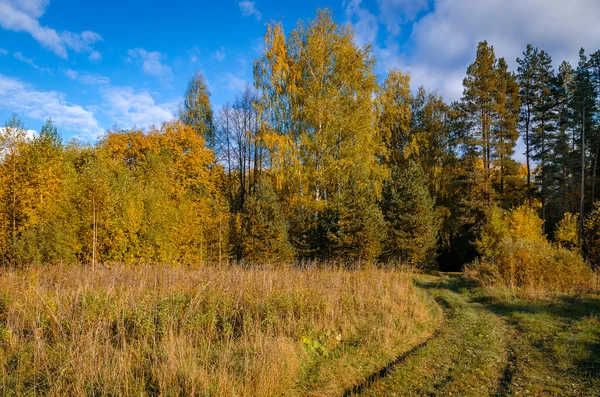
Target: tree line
{"x":320,"y":160}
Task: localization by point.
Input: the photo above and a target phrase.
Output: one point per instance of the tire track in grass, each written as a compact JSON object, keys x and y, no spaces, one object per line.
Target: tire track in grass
{"x":469,"y":356}
{"x":384,"y":371}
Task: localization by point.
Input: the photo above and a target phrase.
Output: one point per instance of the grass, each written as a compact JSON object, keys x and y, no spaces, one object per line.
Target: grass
{"x":493,"y":344}
{"x":555,"y":343}
{"x":466,"y":359}
{"x":166,"y":330}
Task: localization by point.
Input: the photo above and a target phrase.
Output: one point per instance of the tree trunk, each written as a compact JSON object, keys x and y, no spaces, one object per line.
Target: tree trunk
{"x":543,"y":177}
{"x":595,"y":167}
{"x":527,"y":120}
{"x":581,"y":203}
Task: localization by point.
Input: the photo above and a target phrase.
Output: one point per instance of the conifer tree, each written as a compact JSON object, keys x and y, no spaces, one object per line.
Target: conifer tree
{"x":583,"y":105}
{"x":264,"y":230}
{"x":412,"y":224}
{"x":526,"y":79}
{"x":505,"y":133}
{"x":562,"y":150}
{"x":478,"y":109}
{"x":543,"y":131}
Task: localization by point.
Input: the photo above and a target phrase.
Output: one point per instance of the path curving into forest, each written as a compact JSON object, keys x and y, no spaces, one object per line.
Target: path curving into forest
{"x":488,"y":347}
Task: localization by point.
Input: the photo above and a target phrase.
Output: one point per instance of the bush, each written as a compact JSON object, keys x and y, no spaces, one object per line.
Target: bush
{"x":515,"y":253}
{"x":591,"y":236}
{"x":567,"y":233}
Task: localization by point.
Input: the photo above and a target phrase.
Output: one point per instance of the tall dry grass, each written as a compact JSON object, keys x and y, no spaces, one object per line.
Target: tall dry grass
{"x":166,"y":330}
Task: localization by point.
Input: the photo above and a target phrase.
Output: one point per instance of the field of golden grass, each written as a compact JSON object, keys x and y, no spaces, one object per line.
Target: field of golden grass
{"x":168,"y":330}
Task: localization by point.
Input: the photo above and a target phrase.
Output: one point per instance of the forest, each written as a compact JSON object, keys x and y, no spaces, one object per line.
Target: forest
{"x":255,"y":249}
{"x":321,"y":160}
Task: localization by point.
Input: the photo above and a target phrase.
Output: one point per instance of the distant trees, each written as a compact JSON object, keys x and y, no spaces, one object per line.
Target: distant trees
{"x":319,"y":160}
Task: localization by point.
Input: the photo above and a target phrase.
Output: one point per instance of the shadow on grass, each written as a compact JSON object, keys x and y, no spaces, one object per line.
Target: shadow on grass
{"x":384,"y":371}
{"x":559,"y":329}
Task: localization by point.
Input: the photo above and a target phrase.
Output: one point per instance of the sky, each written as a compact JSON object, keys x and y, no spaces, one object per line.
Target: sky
{"x":93,"y":65}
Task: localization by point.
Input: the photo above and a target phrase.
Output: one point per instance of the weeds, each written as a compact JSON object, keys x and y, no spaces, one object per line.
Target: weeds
{"x":165,"y":330}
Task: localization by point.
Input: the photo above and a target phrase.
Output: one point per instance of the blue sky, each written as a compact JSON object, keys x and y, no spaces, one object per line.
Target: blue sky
{"x":90,"y":64}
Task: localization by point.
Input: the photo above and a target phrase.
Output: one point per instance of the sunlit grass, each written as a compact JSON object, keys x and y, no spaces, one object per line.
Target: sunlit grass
{"x":166,"y":330}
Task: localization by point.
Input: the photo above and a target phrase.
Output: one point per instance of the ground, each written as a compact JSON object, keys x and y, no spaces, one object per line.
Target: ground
{"x":491,"y":346}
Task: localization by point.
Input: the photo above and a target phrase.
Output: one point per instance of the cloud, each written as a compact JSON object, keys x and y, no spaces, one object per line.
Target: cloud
{"x":220,"y":54}
{"x":87,"y":78}
{"x":233,"y":82}
{"x":441,"y":37}
{"x":129,"y":107}
{"x":29,"y":134}
{"x":95,"y":56}
{"x":248,"y":9}
{"x":151,"y":62}
{"x":29,"y":61}
{"x":23,"y":16}
{"x":24,"y":99}
{"x":194,"y":54}
{"x":394,"y":13}
{"x":3,"y":51}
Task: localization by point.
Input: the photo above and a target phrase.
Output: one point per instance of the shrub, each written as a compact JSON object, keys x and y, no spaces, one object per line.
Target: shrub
{"x":515,"y":253}
{"x":591,"y":236}
{"x":567,"y":233}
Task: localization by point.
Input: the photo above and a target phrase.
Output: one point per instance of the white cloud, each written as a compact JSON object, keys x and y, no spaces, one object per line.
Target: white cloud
{"x":29,"y":61}
{"x":151,"y":62}
{"x":394,"y":13}
{"x":3,"y":51}
{"x":129,"y":107}
{"x":220,"y":54}
{"x":233,"y":82}
{"x":248,"y":9}
{"x":23,"y":16}
{"x":87,"y":78}
{"x":366,"y":25}
{"x":95,"y":56}
{"x":194,"y":54}
{"x":24,"y":99}
{"x":443,"y":41}
{"x":29,"y":134}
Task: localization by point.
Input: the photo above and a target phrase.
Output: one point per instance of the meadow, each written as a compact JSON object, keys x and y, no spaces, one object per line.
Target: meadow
{"x":229,"y":330}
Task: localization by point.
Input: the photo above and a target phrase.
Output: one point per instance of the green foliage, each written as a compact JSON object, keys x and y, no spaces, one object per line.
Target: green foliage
{"x":411,"y":218}
{"x":591,"y":236}
{"x":264,"y":228}
{"x":196,"y":110}
{"x":359,"y":229}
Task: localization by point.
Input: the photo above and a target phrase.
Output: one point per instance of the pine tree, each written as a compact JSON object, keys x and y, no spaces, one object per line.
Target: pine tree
{"x":526,"y":79}
{"x":594,"y":62}
{"x":410,"y":215}
{"x":359,"y":229}
{"x":583,"y":105}
{"x":562,"y":150}
{"x":542,"y":135}
{"x":505,"y":133}
{"x":264,"y":227}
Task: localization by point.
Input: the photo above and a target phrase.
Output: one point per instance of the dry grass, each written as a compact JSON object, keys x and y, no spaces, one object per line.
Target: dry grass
{"x":165,"y":330}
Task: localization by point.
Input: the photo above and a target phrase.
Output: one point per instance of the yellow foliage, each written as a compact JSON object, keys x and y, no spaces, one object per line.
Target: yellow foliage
{"x":514,"y":252}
